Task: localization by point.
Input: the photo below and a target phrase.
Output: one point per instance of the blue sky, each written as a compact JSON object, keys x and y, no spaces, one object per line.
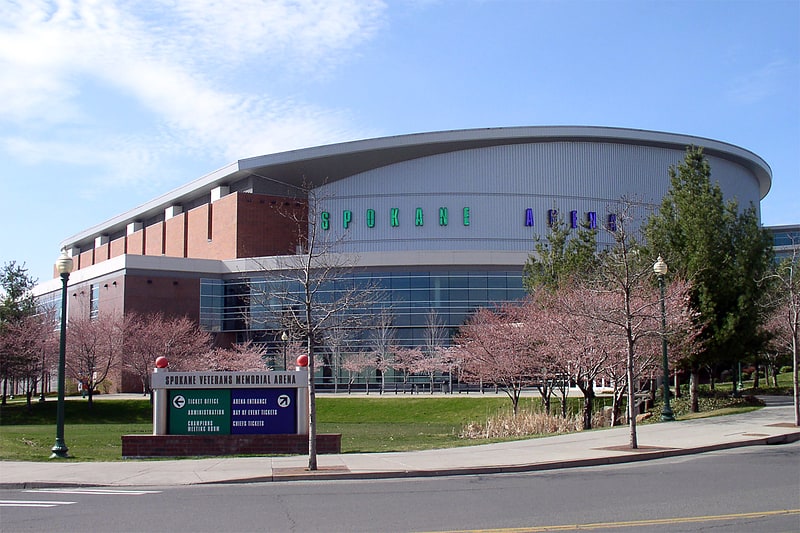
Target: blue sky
{"x":107,"y":104}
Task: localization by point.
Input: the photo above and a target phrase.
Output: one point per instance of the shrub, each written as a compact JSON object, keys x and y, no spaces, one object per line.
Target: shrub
{"x":525,"y":424}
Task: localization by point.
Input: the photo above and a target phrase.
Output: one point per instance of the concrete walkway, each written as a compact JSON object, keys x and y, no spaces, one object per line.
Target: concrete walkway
{"x":773,"y":424}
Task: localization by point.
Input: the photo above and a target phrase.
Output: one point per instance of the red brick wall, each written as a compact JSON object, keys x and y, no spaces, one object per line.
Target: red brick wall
{"x":154,"y":239}
{"x":199,"y":445}
{"x":223,"y":228}
{"x":211,"y":230}
{"x":118,"y":247}
{"x":168,"y":295}
{"x":175,"y":245}
{"x":112,"y":292}
{"x":235,"y":226}
{"x":197,"y":231}
{"x":266,"y":226}
{"x":86,"y":259}
{"x":101,"y":253}
{"x":136,"y":243}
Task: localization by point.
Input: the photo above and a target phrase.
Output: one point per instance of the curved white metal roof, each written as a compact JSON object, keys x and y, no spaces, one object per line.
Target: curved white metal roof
{"x":337,"y":161}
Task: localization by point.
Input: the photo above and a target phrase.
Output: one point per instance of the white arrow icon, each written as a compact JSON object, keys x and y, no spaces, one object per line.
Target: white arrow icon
{"x":179,"y":401}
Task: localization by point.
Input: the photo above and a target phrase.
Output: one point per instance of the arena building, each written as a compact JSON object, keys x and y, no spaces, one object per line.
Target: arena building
{"x":439,"y":221}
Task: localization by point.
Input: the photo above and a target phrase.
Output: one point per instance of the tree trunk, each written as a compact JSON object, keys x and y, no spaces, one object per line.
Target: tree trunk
{"x":634,"y":442}
{"x":588,"y":404}
{"x":694,"y":384}
{"x":795,"y":376}
{"x":312,"y":409}
{"x":653,"y":387}
{"x":545,"y":392}
{"x":616,"y":405}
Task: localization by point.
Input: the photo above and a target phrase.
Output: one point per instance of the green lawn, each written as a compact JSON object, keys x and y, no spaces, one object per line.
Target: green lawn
{"x":366,"y":424}
{"x":371,"y":424}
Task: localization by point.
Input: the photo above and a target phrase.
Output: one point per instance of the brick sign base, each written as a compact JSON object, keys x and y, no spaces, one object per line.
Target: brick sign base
{"x":134,"y":446}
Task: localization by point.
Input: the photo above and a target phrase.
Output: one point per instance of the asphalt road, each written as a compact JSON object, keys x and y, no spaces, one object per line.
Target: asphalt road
{"x":742,"y":490}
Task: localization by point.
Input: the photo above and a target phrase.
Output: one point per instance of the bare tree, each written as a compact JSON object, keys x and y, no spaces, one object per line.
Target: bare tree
{"x":93,"y":348}
{"x":34,"y":345}
{"x":355,"y":363}
{"x":381,"y":342}
{"x":582,"y":345}
{"x":315,"y":291}
{"x":407,"y":361}
{"x":785,"y":302}
{"x":244,"y":357}
{"x":623,"y":301}
{"x":148,"y":337}
{"x":337,"y":339}
{"x":435,"y":337}
{"x":497,"y":346}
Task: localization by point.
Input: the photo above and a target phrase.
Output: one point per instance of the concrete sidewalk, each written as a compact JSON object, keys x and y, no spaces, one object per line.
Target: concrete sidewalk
{"x":773,"y":424}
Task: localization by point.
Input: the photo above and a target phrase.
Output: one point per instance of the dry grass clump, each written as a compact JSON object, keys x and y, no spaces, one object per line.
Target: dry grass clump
{"x":526,"y":424}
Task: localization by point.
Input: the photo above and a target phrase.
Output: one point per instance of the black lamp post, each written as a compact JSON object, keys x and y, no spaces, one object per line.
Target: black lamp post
{"x":660,"y":268}
{"x":63,"y":267}
{"x":285,"y":339}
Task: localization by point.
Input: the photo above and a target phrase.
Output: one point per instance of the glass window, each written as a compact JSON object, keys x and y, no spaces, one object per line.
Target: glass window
{"x":94,"y":302}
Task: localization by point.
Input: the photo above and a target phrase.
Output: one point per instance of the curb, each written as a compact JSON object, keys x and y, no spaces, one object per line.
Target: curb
{"x":322,"y":475}
{"x":529,"y":467}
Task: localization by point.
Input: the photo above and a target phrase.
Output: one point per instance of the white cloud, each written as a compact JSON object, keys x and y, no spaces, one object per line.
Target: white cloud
{"x":177,"y":66}
{"x":758,"y":85}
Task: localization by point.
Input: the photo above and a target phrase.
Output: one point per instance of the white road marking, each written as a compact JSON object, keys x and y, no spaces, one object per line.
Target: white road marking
{"x":100,"y":492}
{"x":32,"y":503}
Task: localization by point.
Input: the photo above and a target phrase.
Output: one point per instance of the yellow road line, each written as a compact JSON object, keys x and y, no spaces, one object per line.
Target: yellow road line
{"x":632,"y":523}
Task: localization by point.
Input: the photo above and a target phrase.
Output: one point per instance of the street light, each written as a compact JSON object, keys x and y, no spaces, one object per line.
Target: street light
{"x":63,"y":267}
{"x":285,"y":339}
{"x":660,"y":268}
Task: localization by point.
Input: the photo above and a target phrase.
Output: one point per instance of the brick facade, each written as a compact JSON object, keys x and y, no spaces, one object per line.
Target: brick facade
{"x":118,"y":247}
{"x":154,"y":239}
{"x":175,"y":232}
{"x":235,"y":226}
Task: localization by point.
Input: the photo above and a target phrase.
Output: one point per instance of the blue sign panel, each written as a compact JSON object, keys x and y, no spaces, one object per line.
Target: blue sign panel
{"x":263,"y":411}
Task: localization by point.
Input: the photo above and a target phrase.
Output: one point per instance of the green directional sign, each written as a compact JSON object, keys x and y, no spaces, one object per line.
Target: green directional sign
{"x":199,"y":411}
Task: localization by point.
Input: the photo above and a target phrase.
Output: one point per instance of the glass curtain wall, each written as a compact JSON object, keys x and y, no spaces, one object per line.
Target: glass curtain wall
{"x":252,"y":308}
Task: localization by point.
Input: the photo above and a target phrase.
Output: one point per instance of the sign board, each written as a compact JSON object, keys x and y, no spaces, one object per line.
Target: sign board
{"x":199,"y":412}
{"x":232,"y":411}
{"x":229,"y":403}
{"x":228,"y":380}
